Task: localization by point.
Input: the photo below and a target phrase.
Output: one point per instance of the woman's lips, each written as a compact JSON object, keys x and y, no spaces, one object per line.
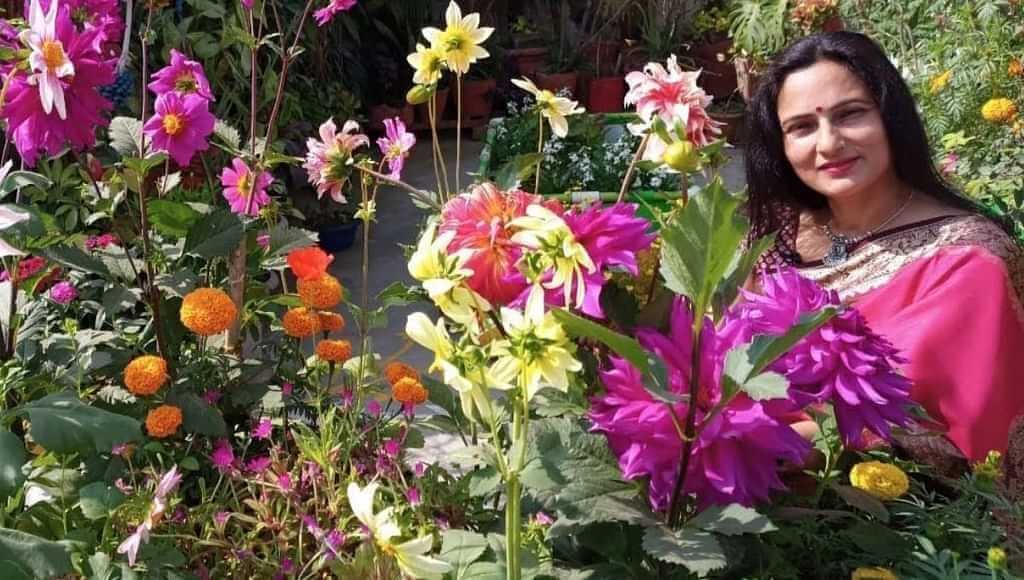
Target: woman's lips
{"x":839,"y":168}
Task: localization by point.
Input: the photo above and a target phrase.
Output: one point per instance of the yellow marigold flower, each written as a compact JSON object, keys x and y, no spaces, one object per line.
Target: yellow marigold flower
{"x":396,"y":371}
{"x":300,"y":322}
{"x":939,"y":82}
{"x":1016,"y":68}
{"x":208,"y":311}
{"x":874,"y":573}
{"x":336,"y":351}
{"x":331,"y":322}
{"x":163,"y":421}
{"x":999,"y":111}
{"x":145,"y":375}
{"x":409,"y":390}
{"x":885,"y":481}
{"x":323,"y":292}
{"x":997,"y":558}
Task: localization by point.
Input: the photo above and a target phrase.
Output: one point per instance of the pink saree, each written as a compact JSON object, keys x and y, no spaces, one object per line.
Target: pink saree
{"x":946,"y":292}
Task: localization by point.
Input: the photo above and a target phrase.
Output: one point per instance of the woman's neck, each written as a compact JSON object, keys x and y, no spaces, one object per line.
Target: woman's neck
{"x":868,"y":210}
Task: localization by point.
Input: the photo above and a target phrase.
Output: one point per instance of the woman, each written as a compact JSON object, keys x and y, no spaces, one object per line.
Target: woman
{"x":838,"y":164}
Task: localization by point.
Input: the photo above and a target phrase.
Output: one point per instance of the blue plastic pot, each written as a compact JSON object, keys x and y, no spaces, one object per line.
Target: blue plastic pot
{"x":337,"y":238}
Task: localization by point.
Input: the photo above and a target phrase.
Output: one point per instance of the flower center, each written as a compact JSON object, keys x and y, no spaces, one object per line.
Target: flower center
{"x":455,"y":41}
{"x":244,"y":185}
{"x":53,"y":54}
{"x":395,"y":151}
{"x":173,"y":124}
{"x":186,"y":83}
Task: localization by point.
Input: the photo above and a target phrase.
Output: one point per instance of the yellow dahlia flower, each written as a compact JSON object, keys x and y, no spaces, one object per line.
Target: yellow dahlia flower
{"x":428,"y":63}
{"x":145,"y":375}
{"x":884,"y":481}
{"x":999,"y":111}
{"x":336,"y":351}
{"x":939,"y":82}
{"x":460,"y":41}
{"x":208,"y":311}
{"x":300,"y":322}
{"x":410,"y":391}
{"x":324,"y":292}
{"x":163,"y":421}
{"x":874,"y":573}
{"x":554,"y":109}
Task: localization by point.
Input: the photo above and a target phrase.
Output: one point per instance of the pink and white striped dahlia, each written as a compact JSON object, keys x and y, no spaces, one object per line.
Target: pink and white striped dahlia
{"x":328,"y":161}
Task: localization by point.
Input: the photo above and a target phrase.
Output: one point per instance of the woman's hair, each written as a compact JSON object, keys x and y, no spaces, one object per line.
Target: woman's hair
{"x":774,"y":188}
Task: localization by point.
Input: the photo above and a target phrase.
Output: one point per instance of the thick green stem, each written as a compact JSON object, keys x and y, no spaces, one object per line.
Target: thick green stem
{"x":513,"y":515}
{"x":689,"y":433}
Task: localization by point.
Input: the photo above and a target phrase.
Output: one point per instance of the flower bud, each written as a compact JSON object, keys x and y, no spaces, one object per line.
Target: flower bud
{"x":997,"y":558}
{"x":681,"y":156}
{"x":419,"y":94}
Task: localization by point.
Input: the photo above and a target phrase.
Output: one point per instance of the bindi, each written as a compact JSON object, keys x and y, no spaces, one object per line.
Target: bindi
{"x":818,"y":110}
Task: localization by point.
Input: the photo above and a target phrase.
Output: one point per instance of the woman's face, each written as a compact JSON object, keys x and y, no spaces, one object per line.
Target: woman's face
{"x":832,"y":131}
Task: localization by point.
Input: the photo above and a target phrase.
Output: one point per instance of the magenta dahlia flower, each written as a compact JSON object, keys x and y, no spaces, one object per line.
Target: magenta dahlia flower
{"x":844,"y":362}
{"x":102,"y":15}
{"x":245,"y":192}
{"x":736,"y":456}
{"x":180,"y":126}
{"x":396,"y":145}
{"x":328,"y":160}
{"x":63,"y":293}
{"x":182,"y":76}
{"x":333,"y":8}
{"x":56,"y":103}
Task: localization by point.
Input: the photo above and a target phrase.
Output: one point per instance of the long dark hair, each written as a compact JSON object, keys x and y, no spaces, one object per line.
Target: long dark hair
{"x":774,"y":188}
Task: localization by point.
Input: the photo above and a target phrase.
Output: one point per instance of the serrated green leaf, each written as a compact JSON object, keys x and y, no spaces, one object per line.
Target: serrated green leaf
{"x":125,"y":135}
{"x":764,"y":349}
{"x":732,"y":520}
{"x":63,"y":424}
{"x":197,"y":416}
{"x":118,"y":299}
{"x":171,"y":218}
{"x":461,"y":548}
{"x":626,"y":347}
{"x":696,"y":550}
{"x":737,"y":375}
{"x":41,"y":558}
{"x":216,"y":235}
{"x":12,"y":458}
{"x":738,"y":272}
{"x":284,"y":239}
{"x":484,"y":482}
{"x":180,"y":283}
{"x":98,"y":499}
{"x":77,"y":259}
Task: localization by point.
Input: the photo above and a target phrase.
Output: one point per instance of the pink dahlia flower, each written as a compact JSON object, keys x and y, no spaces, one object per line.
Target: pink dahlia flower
{"x":736,"y":455}
{"x":180,"y":126}
{"x":327,"y":160}
{"x":63,"y":293}
{"x":245,"y":192}
{"x":102,"y":15}
{"x":182,"y":76}
{"x":100,"y":242}
{"x":333,"y":8}
{"x":843,"y":362}
{"x":671,"y":94}
{"x":480,"y":220}
{"x":396,"y":145}
{"x":57,"y":103}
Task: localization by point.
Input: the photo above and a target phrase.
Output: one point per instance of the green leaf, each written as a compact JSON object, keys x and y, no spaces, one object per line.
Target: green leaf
{"x":761,"y":387}
{"x":215,"y":236}
{"x":398,"y":294}
{"x":189,"y":464}
{"x":16,"y":179}
{"x":863,"y":501}
{"x":484,"y":482}
{"x":63,"y":424}
{"x":516,"y":170}
{"x":765,"y":349}
{"x":12,"y":457}
{"x":180,"y":283}
{"x":738,"y":272}
{"x":76,"y":259}
{"x":624,"y":346}
{"x":197,"y":416}
{"x":696,"y":550}
{"x":878,"y":540}
{"x":445,"y":397}
{"x":118,"y":299}
{"x":284,"y":239}
{"x":40,"y":558}
{"x":171,"y":218}
{"x":732,"y":520}
{"x":460,"y":548}
{"x":97,"y":500}
{"x":698,"y":248}
{"x":125,"y":135}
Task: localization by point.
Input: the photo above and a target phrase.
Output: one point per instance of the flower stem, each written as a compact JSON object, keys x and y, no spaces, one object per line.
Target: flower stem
{"x":628,"y":179}
{"x":434,"y":149}
{"x":458,"y":133}
{"x":689,"y":435}
{"x":540,"y":151}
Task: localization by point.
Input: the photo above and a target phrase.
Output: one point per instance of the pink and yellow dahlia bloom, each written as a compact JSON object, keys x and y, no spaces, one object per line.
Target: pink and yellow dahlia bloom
{"x":396,"y":145}
{"x":180,"y":126}
{"x":245,"y":191}
{"x":182,"y":76}
{"x":328,"y":160}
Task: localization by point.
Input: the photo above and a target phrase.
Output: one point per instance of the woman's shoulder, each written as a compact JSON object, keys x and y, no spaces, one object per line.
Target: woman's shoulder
{"x":978,"y":231}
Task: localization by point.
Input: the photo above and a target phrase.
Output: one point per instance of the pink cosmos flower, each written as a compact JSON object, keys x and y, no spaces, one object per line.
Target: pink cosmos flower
{"x":395,"y":145}
{"x":263,"y":429}
{"x":736,"y":456}
{"x":223,"y":457}
{"x":167,"y":484}
{"x":100,"y":242}
{"x":542,"y":519}
{"x":391,"y":448}
{"x":843,"y":362}
{"x":246,"y":193}
{"x":182,"y":76}
{"x":130,"y":546}
{"x":333,"y":8}
{"x":180,"y":126}
{"x":328,"y":160}
{"x":480,"y":219}
{"x":373,"y":408}
{"x":57,"y":102}
{"x":63,"y":293}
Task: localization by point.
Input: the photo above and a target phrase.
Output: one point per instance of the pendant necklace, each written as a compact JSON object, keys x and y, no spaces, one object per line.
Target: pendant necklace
{"x":841,"y":245}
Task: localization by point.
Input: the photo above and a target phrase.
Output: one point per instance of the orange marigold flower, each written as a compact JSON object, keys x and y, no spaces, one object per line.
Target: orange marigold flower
{"x":1016,"y":68}
{"x":323,"y":292}
{"x":300,"y":322}
{"x":163,"y":421}
{"x":331,"y":322}
{"x":409,"y":391}
{"x":208,"y":311}
{"x":336,"y":351}
{"x":145,"y":375}
{"x":309,"y":262}
{"x":397,"y":370}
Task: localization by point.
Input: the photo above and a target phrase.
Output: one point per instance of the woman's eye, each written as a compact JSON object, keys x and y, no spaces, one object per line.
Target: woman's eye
{"x":850,"y":114}
{"x":799,"y":128}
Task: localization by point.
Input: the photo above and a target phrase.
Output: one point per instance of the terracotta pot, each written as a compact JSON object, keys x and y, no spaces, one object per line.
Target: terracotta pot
{"x":477,"y":99}
{"x":380,"y":112}
{"x":558,"y":81}
{"x":748,"y":77}
{"x":604,"y":55}
{"x":440,"y":106}
{"x":527,"y":61}
{"x":718,"y":76}
{"x":606,"y":95}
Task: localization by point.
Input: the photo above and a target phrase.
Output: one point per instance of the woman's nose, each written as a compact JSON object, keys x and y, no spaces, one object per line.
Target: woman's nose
{"x":829,"y":139}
